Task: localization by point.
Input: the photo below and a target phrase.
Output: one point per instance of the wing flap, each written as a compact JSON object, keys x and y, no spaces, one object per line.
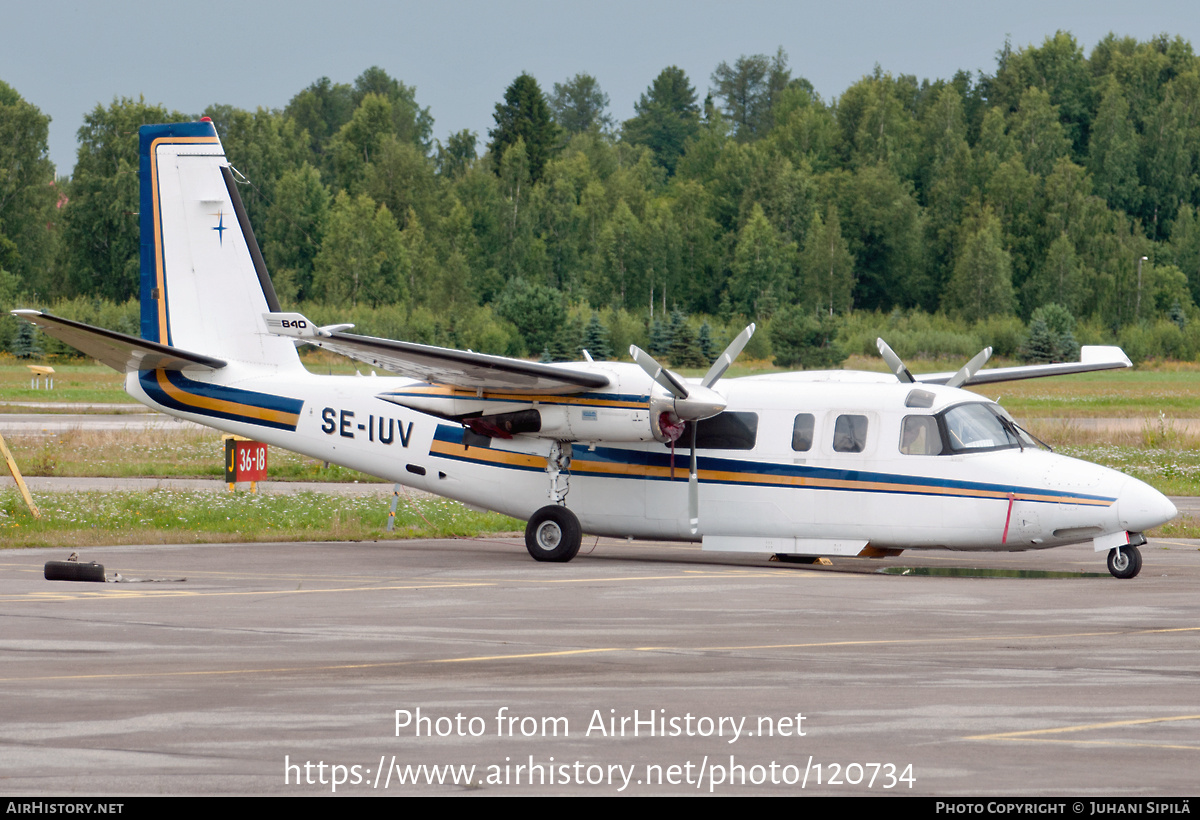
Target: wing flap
{"x":120,"y":351}
{"x":441,"y":365}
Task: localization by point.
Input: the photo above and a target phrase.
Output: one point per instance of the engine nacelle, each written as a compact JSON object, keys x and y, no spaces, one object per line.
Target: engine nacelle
{"x":569,"y":423}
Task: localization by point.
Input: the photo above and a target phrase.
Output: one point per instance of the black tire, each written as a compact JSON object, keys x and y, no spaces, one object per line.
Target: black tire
{"x":1125,"y":562}
{"x":553,"y":534}
{"x":74,"y":571}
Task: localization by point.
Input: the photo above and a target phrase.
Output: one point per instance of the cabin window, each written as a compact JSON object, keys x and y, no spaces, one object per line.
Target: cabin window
{"x":919,"y":436}
{"x":731,"y":430}
{"x":850,"y":434}
{"x":802,"y":433}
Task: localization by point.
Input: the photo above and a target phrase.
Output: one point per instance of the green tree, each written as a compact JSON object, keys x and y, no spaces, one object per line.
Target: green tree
{"x":749,"y":90}
{"x":100,"y":224}
{"x":1039,"y":135}
{"x":981,"y":285}
{"x":293,"y":231}
{"x":579,"y":105}
{"x":884,"y":229}
{"x":27,"y":190}
{"x":1060,"y":279}
{"x":666,"y":117}
{"x":410,"y":122}
{"x":762,"y":267}
{"x":827,"y":267}
{"x":802,"y":339}
{"x":684,"y":350}
{"x":457,"y":155}
{"x":321,"y":110}
{"x":596,"y":339}
{"x":1113,"y":152}
{"x":1051,"y":336}
{"x":536,"y":310}
{"x":358,"y":142}
{"x":362,"y":257}
{"x":524,"y":115}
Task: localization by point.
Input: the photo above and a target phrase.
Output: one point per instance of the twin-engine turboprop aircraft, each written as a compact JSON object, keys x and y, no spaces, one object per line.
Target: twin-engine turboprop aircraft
{"x":800,"y":465}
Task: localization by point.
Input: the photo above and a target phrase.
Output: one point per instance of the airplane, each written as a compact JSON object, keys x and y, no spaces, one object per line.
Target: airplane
{"x":801,"y":466}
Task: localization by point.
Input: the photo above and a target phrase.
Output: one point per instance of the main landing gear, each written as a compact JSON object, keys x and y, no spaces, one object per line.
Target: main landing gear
{"x":553,"y":534}
{"x":1125,"y":562}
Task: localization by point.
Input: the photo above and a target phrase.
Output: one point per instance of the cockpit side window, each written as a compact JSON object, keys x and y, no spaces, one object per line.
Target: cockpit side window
{"x":919,"y":436}
{"x":850,"y":434}
{"x":802,"y":433}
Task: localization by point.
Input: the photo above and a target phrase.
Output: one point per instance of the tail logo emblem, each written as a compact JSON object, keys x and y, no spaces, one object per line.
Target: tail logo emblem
{"x":220,"y":227}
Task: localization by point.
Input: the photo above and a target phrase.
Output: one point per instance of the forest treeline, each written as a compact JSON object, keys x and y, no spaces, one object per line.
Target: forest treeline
{"x":1050,"y":201}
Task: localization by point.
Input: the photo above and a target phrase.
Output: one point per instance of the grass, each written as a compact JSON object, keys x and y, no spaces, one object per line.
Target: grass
{"x":183,"y":453}
{"x":73,"y":520}
{"x":80,"y":382}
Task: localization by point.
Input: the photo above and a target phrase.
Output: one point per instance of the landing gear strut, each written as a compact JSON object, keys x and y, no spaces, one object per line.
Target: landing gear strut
{"x":553,"y":534}
{"x":1125,"y":562}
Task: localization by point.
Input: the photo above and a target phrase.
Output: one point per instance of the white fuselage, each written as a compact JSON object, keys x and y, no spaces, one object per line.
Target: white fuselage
{"x":769,"y":497}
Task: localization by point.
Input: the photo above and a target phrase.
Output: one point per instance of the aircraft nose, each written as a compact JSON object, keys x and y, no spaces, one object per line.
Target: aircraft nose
{"x":1141,"y":507}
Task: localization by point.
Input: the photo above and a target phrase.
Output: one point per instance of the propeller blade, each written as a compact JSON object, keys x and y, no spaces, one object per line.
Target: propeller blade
{"x":970,"y":368}
{"x":726,"y":359}
{"x":694,"y":487}
{"x":893,"y":362}
{"x":660,"y":374}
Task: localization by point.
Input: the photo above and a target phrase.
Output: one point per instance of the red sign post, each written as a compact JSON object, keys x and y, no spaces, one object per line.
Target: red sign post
{"x":245,"y":460}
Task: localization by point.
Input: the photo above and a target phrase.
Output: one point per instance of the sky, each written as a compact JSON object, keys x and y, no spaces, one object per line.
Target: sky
{"x":66,"y":57}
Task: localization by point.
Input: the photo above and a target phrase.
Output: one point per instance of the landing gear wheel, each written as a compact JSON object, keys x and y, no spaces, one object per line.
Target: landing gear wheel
{"x":73,"y":571}
{"x":1125,"y":562}
{"x":553,"y":534}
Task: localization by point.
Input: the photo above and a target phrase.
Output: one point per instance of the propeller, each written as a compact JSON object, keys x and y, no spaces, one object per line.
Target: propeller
{"x":691,"y":403}
{"x":957,"y":380}
{"x":969,"y":369}
{"x":893,"y":362}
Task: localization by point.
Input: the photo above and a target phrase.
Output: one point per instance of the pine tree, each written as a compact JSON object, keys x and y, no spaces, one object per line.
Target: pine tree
{"x":25,"y":345}
{"x":1039,"y":347}
{"x":660,"y":339}
{"x":705,"y":341}
{"x":596,"y":340}
{"x":524,"y":115}
{"x":684,"y":350}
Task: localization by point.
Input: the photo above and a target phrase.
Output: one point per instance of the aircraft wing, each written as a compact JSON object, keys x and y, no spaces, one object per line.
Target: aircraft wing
{"x":120,"y":351}
{"x":458,"y":368}
{"x":1091,"y":358}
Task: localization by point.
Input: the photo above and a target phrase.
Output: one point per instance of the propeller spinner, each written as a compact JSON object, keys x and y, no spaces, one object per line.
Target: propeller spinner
{"x":691,"y":403}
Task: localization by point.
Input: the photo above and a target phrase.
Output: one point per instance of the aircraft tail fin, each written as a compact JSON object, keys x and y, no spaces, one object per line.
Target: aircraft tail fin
{"x":204,"y":285}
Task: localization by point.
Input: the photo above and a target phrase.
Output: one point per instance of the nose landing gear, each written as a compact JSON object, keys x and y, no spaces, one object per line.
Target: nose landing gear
{"x":1125,"y":562}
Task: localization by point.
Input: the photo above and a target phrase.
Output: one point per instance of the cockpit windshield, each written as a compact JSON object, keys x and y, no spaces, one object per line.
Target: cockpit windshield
{"x":975,"y":427}
{"x":966,"y":428}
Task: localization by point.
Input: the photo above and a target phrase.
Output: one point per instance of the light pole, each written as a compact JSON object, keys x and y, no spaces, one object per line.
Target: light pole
{"x":1137,"y":310}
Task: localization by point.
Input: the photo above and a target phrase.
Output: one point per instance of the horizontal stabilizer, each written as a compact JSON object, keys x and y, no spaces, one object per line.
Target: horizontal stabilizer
{"x":441,"y":365}
{"x":120,"y":351}
{"x":1091,"y":358}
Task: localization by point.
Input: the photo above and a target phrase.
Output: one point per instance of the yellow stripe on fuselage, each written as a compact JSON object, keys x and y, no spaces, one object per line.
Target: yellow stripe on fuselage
{"x":580,"y":466}
{"x":223,"y":406}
